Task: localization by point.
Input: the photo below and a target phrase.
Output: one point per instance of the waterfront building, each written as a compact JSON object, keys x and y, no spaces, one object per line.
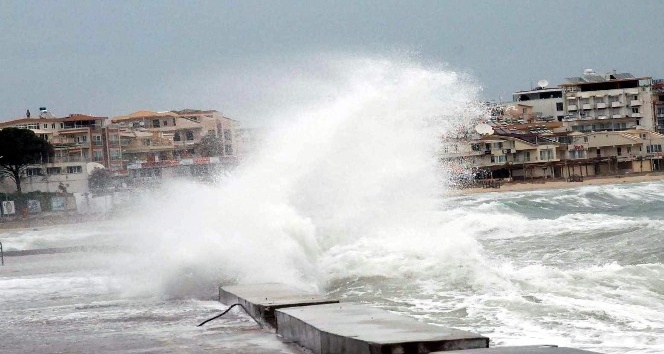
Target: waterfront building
{"x":608,"y":102}
{"x":162,"y":145}
{"x":77,"y":139}
{"x":546,"y":103}
{"x":658,"y":103}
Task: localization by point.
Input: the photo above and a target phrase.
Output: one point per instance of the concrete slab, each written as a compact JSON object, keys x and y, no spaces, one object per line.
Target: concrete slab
{"x":535,"y":349}
{"x":261,"y":300}
{"x":355,"y":328}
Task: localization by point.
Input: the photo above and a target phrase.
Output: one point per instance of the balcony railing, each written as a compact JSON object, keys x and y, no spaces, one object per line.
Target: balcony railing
{"x":637,"y":115}
{"x":617,"y":116}
{"x":587,"y":106}
{"x":600,"y":105}
{"x":616,"y":104}
{"x":634,"y":103}
{"x":572,"y":107}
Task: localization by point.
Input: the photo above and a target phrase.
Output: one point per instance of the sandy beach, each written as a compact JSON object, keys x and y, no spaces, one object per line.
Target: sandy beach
{"x":562,"y":184}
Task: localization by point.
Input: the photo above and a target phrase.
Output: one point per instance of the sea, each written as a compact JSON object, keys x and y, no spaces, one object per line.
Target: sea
{"x":347,"y":197}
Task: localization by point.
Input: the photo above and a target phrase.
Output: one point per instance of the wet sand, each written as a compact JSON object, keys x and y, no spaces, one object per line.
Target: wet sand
{"x":561,"y":184}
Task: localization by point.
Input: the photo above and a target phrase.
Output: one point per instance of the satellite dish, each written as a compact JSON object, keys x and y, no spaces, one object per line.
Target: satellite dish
{"x":484,"y":129}
{"x":542,"y":83}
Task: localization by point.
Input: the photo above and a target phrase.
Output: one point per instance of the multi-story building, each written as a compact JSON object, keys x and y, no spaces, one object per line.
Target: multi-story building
{"x":521,"y":155}
{"x":610,"y":102}
{"x":159,"y":145}
{"x":658,"y":103}
{"x":78,"y":140}
{"x":174,"y":134}
{"x":546,"y":104}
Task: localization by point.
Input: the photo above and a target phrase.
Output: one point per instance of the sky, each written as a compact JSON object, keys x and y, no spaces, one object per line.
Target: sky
{"x":110,"y":58}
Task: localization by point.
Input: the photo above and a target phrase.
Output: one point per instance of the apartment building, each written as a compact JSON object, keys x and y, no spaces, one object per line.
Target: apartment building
{"x":658,"y":103}
{"x":159,"y":136}
{"x":521,"y":155}
{"x":546,"y":104}
{"x":78,"y":140}
{"x":608,"y":102}
{"x":160,"y":145}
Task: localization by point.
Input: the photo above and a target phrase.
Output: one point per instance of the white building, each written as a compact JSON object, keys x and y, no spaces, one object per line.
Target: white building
{"x":609,"y":102}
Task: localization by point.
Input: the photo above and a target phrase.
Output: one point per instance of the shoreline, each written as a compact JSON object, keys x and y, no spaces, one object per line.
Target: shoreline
{"x":561,"y":184}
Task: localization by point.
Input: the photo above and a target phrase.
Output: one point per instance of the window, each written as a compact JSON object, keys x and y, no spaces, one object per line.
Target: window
{"x":635,"y":109}
{"x":190,"y":135}
{"x":165,"y":123}
{"x":155,"y":123}
{"x":629,"y":149}
{"x":585,"y":139}
{"x":45,"y":126}
{"x":115,"y":154}
{"x":546,"y":154}
{"x":74,"y":169}
{"x":619,"y":150}
{"x":637,"y":122}
{"x":176,"y":136}
{"x":654,"y":148}
{"x":98,"y":155}
{"x":62,"y":125}
{"x":53,"y":170}
{"x":53,"y":126}
{"x":475,"y":147}
{"x":146,"y":142}
{"x":559,"y":106}
{"x":526,"y":156}
{"x":499,"y":159}
{"x":228,"y":149}
{"x":33,"y":126}
{"x":33,"y":171}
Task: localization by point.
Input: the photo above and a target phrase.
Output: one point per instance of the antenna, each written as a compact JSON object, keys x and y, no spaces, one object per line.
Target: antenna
{"x":542,"y":83}
{"x":484,"y":129}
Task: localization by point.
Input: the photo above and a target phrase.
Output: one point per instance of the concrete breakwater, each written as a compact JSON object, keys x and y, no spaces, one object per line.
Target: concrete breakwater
{"x":327,"y":326}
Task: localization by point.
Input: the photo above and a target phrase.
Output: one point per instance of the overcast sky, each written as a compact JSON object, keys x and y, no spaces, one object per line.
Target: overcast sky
{"x":115,"y":57}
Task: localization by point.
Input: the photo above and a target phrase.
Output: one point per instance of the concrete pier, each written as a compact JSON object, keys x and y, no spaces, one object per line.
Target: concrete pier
{"x":535,"y":349}
{"x":261,"y":300}
{"x":354,"y":328}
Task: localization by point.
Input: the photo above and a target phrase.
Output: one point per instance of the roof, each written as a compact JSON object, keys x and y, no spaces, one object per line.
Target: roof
{"x":188,"y":111}
{"x":143,"y":114}
{"x":594,"y":78}
{"x":70,"y":118}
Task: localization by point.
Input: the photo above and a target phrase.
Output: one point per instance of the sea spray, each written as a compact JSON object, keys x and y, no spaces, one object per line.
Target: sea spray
{"x":347,"y":187}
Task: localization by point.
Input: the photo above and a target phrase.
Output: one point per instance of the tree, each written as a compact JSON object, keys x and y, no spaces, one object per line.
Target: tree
{"x":18,"y":149}
{"x":100,"y":179}
{"x":211,"y":145}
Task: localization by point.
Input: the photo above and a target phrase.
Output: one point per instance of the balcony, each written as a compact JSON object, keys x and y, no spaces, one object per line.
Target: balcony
{"x":600,"y":105}
{"x":587,"y":106}
{"x":617,"y":116}
{"x":616,"y":104}
{"x":635,"y":103}
{"x":637,"y":115}
{"x":602,"y":117}
{"x":572,"y":107}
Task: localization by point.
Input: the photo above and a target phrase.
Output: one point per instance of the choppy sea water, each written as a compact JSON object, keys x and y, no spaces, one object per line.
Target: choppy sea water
{"x":579,"y":267}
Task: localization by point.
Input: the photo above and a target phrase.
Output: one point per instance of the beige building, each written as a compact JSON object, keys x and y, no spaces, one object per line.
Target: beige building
{"x":172,"y":135}
{"x":78,"y":140}
{"x":609,"y":102}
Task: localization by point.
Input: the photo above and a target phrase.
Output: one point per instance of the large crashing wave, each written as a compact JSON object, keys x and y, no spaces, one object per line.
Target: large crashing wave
{"x":345,"y":186}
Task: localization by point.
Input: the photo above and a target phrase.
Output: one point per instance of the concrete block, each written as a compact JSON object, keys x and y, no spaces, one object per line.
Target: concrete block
{"x":534,"y":349}
{"x":261,"y":300}
{"x":355,"y":328}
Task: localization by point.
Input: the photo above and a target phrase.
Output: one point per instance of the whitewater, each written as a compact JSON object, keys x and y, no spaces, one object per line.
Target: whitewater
{"x":346,"y":196}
